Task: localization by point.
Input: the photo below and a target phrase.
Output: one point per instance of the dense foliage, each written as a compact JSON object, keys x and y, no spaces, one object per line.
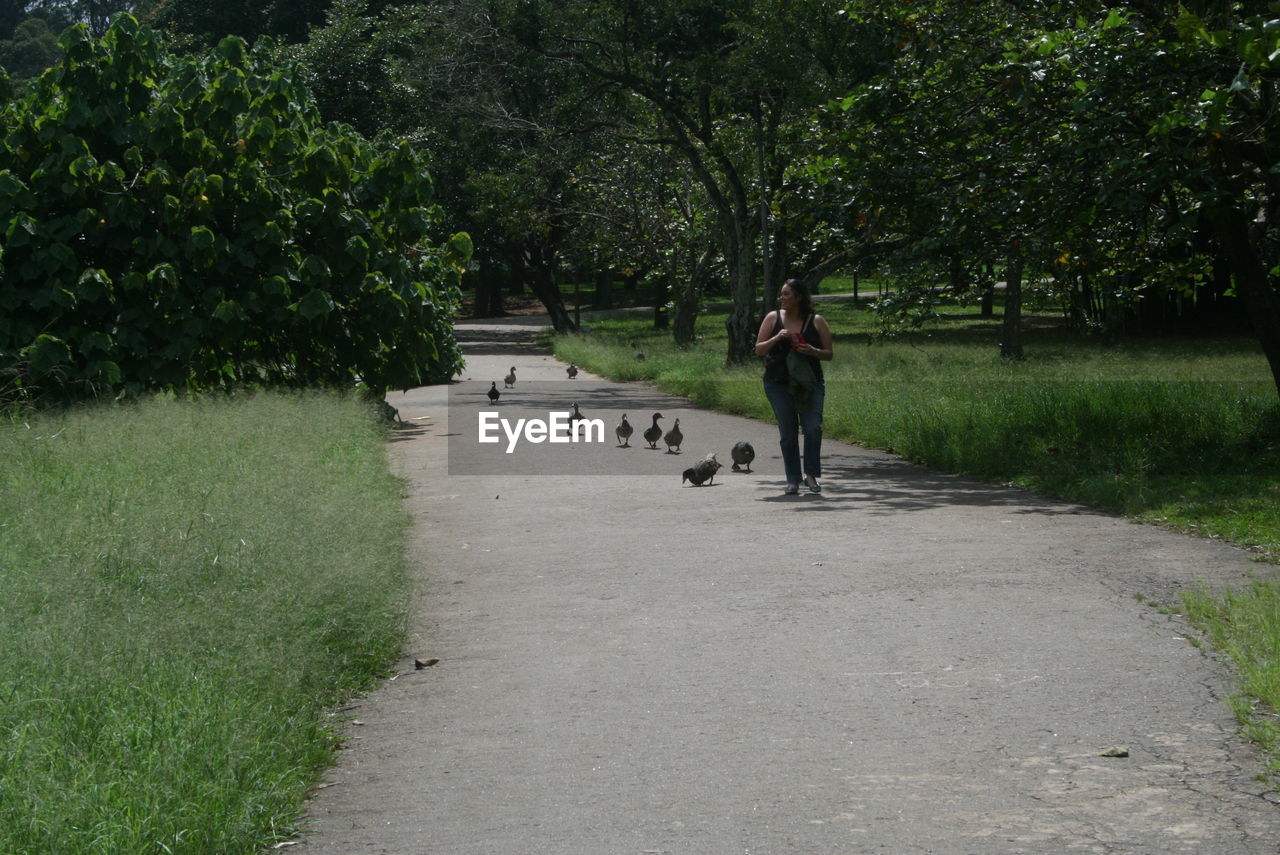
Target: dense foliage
{"x":1118,"y":157}
{"x":190,"y":224}
{"x":1124,"y":155}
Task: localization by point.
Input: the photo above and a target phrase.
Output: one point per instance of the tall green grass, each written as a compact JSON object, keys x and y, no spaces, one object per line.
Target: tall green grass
{"x":186,"y":588}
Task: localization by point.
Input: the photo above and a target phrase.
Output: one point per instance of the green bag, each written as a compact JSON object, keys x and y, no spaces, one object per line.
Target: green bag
{"x":801,"y":379}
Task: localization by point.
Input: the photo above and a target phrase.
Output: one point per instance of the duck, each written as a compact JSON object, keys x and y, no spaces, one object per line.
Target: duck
{"x":510,"y":379}
{"x":653,"y":433}
{"x":673,"y":438}
{"x":576,"y":416}
{"x":702,"y":471}
{"x":623,"y":432}
{"x":742,"y":454}
{"x":639,"y":350}
{"x":572,"y":371}
{"x":494,"y":394}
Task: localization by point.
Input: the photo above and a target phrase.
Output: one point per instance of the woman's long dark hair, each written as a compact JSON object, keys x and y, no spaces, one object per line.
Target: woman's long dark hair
{"x":804,"y":298}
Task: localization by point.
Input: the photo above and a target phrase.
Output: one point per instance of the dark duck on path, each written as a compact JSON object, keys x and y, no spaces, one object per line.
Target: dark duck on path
{"x":494,"y":393}
{"x":572,"y":371}
{"x":623,"y":431}
{"x":742,"y":455}
{"x":702,"y":471}
{"x":673,"y":438}
{"x":653,"y":433}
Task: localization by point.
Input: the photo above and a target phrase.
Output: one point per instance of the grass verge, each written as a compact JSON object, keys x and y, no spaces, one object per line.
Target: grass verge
{"x":188,"y":588}
{"x":1246,"y":626}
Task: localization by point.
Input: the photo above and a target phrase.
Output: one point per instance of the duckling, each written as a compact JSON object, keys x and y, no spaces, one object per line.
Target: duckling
{"x":673,"y":438}
{"x":742,"y":455}
{"x":704,"y":470}
{"x":510,"y":379}
{"x":623,"y":432}
{"x":572,"y":371}
{"x":653,"y":433}
{"x":494,"y":394}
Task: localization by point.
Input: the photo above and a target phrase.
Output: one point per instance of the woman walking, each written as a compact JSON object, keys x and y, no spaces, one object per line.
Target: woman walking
{"x":794,"y":341}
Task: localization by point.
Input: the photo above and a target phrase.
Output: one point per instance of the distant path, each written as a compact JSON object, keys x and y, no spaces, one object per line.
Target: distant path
{"x":909,"y":663}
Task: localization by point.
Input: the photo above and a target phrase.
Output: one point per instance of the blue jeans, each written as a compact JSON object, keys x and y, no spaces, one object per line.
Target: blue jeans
{"x":790,"y":420}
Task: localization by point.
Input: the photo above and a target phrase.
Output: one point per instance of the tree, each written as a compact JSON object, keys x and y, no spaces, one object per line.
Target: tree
{"x":358,"y":66}
{"x":208,"y":23}
{"x":1173,"y":113}
{"x":720,"y":78}
{"x":509,"y":132}
{"x":33,"y":48}
{"x":188,"y":224}
{"x":1012,"y":134}
{"x":645,"y":212}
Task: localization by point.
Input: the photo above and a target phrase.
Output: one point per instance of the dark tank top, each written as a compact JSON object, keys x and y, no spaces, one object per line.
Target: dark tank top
{"x":775,"y":361}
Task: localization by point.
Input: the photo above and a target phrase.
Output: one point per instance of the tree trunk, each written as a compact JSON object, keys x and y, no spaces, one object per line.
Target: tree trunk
{"x":1260,"y":296}
{"x":1011,"y":328}
{"x":987,"y":293}
{"x":741,"y":324}
{"x":488,"y":303}
{"x":684,"y":327}
{"x":773,"y":278}
{"x":661,"y":289}
{"x":542,"y":281}
{"x":604,"y":289}
{"x":688,"y":297}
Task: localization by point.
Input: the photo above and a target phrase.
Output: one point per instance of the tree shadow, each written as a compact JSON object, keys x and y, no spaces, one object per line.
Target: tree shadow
{"x":881,"y":486}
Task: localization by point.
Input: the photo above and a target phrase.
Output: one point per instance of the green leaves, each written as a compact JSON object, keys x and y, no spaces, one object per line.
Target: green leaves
{"x":188,"y":223}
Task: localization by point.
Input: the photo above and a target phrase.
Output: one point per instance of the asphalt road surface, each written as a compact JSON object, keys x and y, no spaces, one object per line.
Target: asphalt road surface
{"x":907,"y":663}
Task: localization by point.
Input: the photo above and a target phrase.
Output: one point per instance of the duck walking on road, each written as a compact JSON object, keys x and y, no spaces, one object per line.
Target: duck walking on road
{"x":623,"y":431}
{"x":494,"y":394}
{"x":742,"y":454}
{"x":572,"y":371}
{"x":653,"y":433}
{"x":673,"y":438}
{"x":510,"y":379}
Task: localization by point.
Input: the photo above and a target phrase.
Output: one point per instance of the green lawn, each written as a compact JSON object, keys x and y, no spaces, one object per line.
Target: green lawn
{"x":188,"y":588}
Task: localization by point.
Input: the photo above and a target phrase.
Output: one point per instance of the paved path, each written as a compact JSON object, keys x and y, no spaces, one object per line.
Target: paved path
{"x":908,"y":663}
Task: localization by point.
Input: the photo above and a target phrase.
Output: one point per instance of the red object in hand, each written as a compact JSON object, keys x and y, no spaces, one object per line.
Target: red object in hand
{"x":797,"y":339}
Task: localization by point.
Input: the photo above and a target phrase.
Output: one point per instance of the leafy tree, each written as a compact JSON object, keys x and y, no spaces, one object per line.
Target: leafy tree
{"x":1170,"y":114}
{"x":208,"y":23}
{"x":1068,"y":140}
{"x":358,"y":66}
{"x":646,"y":213}
{"x":33,"y":48}
{"x":721,"y":78}
{"x":188,"y":224}
{"x":509,"y":133}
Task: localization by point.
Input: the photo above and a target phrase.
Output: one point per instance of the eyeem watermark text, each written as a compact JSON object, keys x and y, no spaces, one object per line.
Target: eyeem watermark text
{"x":557,"y":428}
